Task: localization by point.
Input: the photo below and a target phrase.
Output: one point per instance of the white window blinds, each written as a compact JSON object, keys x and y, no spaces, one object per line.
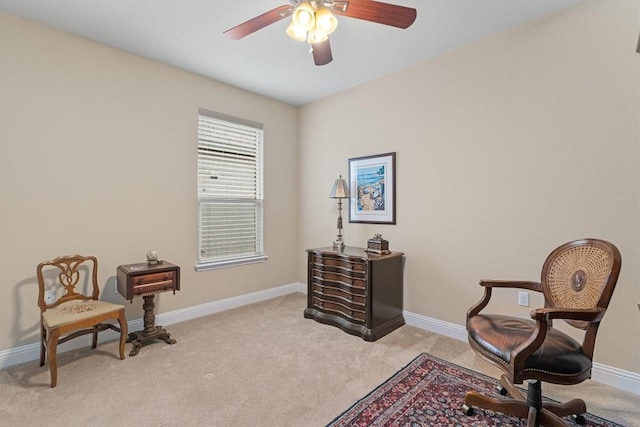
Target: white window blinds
{"x":230,"y":163}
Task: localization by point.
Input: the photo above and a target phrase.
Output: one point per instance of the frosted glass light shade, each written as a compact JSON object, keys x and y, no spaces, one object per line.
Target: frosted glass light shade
{"x":304,"y":16}
{"x":325,"y":21}
{"x":296,"y":32}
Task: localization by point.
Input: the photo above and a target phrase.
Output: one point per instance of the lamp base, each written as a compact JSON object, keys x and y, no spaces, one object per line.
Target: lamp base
{"x":338,"y":245}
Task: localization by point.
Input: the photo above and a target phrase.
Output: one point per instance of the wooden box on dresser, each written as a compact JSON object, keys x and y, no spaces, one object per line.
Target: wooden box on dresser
{"x":357,"y":291}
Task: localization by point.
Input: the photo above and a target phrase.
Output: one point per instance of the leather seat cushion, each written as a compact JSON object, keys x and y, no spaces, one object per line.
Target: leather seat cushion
{"x":500,"y":335}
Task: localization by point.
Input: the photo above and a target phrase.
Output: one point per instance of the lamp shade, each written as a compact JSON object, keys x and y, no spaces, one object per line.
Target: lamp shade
{"x":340,"y":189}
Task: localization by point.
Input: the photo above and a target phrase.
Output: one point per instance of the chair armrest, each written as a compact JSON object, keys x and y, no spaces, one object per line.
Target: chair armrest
{"x":519,"y":284}
{"x":587,"y":315}
{"x":488,"y":285}
{"x":543,"y":318}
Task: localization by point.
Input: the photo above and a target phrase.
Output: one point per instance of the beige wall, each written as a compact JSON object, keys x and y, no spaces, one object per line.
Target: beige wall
{"x":505,"y":150}
{"x":98,"y":156}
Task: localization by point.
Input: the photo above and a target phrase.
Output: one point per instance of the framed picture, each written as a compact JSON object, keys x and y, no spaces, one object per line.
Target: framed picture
{"x":372,"y":181}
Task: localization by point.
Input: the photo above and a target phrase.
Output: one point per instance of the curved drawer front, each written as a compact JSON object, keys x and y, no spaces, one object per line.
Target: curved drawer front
{"x":354,"y":315}
{"x":340,"y":295}
{"x":339,"y":279}
{"x":352,"y":265}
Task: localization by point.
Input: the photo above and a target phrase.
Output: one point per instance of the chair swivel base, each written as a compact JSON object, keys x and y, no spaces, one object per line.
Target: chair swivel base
{"x":532,"y":408}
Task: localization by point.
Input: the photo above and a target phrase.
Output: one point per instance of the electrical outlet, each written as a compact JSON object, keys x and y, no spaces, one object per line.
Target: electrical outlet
{"x":49,"y":296}
{"x":523,"y":298}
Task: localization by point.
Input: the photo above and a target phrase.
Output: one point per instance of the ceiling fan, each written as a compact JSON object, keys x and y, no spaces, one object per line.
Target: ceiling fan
{"x":312,"y":21}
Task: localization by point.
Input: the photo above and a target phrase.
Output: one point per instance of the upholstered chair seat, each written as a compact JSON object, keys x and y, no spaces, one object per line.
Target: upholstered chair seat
{"x":72,"y":312}
{"x":498,"y":336}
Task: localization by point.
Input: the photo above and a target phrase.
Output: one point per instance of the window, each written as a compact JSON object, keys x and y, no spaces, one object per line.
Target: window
{"x":230,"y":201}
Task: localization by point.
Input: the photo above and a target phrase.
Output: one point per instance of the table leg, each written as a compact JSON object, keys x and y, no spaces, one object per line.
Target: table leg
{"x":150,"y":331}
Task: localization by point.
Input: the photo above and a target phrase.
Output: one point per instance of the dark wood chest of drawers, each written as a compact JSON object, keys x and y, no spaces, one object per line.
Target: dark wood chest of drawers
{"x":143,"y":279}
{"x":359,"y":292}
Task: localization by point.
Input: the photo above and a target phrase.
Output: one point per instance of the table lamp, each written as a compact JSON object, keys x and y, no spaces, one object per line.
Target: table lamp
{"x":339,"y":191}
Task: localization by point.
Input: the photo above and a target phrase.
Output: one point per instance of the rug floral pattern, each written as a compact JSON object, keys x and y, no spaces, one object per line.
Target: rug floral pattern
{"x":430,"y":392}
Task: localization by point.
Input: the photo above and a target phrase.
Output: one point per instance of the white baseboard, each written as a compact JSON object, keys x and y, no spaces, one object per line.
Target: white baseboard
{"x":447,"y":329}
{"x":228,"y":304}
{"x":30,"y":352}
{"x":618,"y":378}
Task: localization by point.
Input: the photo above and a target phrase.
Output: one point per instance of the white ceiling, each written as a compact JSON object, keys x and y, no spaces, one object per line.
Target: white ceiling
{"x":188,"y":35}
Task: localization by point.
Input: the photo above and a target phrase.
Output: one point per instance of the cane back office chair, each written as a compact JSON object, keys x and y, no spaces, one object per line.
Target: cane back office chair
{"x":577,"y":281}
{"x":77,"y":309}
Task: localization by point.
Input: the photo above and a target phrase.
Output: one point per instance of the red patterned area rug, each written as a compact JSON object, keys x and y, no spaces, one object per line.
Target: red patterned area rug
{"x":430,"y":392}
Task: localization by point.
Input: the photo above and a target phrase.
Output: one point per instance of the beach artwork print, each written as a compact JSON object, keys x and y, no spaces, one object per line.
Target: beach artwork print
{"x":372,"y":184}
{"x":370,"y":190}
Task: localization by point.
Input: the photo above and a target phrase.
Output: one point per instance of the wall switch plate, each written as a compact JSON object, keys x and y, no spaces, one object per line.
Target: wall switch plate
{"x":523,"y":299}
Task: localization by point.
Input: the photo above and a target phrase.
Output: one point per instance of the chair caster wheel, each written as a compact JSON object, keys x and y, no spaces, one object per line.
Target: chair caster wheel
{"x":467,"y":410}
{"x":578,"y":418}
{"x":503,"y":391}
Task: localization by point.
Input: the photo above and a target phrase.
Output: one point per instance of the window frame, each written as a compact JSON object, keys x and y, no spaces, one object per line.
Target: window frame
{"x":240,"y":198}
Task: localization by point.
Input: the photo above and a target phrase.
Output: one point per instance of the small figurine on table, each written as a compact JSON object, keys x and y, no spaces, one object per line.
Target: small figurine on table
{"x":152,"y":258}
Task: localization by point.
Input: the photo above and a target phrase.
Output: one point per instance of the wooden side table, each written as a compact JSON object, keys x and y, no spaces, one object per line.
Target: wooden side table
{"x":147,"y":280}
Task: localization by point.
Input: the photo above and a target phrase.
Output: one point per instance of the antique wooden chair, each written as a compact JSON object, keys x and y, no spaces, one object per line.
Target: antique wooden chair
{"x":577,"y":281}
{"x":74,"y":281}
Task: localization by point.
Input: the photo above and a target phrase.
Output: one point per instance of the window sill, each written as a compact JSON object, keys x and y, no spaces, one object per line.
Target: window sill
{"x":214,"y":265}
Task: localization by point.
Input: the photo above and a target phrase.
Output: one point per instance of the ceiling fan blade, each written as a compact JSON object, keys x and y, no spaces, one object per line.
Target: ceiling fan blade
{"x":381,"y":13}
{"x":259,"y":22}
{"x":322,"y":53}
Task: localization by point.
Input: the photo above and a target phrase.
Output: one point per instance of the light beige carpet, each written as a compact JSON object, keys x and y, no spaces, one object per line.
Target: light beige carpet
{"x":260,"y":365}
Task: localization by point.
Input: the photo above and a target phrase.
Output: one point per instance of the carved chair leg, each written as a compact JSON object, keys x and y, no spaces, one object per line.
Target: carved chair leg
{"x":52,"y":349}
{"x":572,"y":407}
{"x":123,"y":333}
{"x":94,"y":340}
{"x":549,"y":419}
{"x":43,"y":340}
{"x":517,"y":408}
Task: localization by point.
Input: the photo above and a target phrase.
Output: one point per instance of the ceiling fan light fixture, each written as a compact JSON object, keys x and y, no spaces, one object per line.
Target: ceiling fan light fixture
{"x":317,"y":36}
{"x":313,"y":20}
{"x":325,"y":21}
{"x":296,"y":32}
{"x":304,"y":16}
{"x":340,"y":6}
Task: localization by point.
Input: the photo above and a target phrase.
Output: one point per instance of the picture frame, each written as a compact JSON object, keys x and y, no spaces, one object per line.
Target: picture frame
{"x":372,"y":184}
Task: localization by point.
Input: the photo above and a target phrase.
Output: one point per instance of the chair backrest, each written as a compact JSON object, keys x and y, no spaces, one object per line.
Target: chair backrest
{"x":77,"y":275}
{"x":581,"y":275}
